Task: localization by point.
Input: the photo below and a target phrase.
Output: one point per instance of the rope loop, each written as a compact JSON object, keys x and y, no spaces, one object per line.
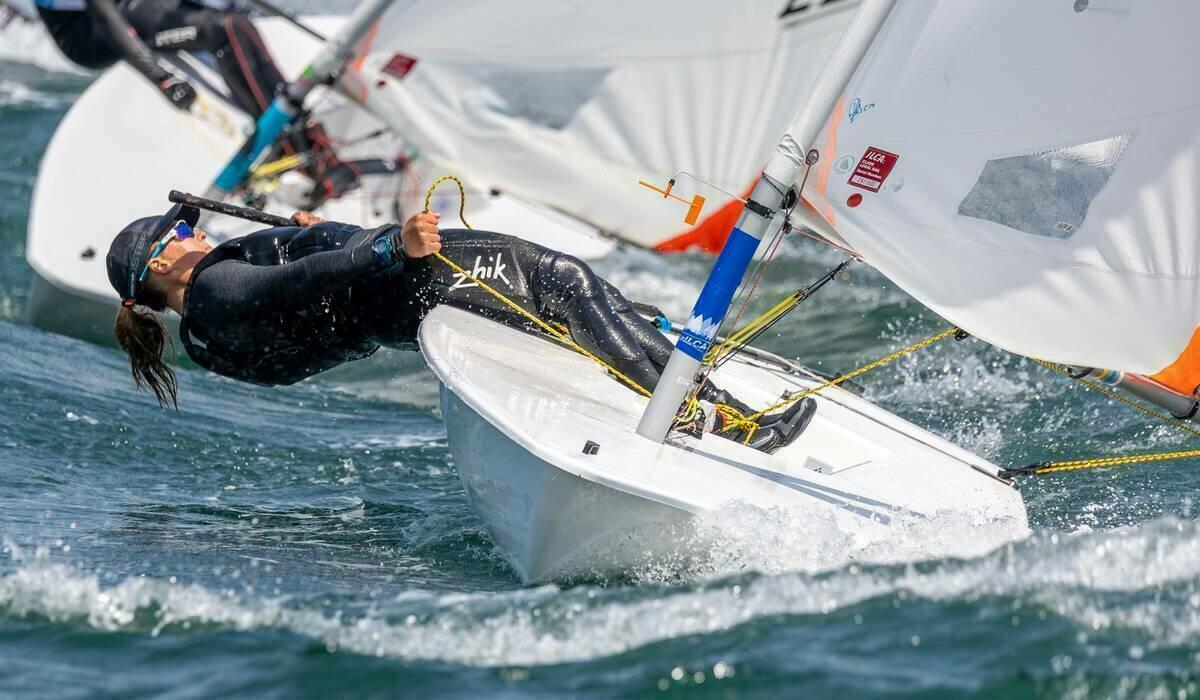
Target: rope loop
{"x":550,"y":330}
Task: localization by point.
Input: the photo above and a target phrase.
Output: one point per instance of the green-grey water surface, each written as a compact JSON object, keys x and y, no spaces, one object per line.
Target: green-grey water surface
{"x":315,"y":540}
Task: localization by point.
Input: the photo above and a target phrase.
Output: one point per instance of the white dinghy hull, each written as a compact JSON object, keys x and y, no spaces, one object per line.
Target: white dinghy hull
{"x":519,"y":410}
{"x":551,"y":523}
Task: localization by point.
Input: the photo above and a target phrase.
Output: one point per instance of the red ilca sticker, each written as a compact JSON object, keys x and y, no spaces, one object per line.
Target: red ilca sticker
{"x":399,"y":65}
{"x":873,"y":169}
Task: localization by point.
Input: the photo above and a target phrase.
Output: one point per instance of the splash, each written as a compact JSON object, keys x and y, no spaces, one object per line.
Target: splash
{"x":740,"y":538}
{"x":15,"y":94}
{"x":1088,"y":579}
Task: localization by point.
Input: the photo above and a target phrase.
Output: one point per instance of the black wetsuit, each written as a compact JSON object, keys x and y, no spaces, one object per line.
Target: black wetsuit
{"x":94,"y":34}
{"x":283,"y":304}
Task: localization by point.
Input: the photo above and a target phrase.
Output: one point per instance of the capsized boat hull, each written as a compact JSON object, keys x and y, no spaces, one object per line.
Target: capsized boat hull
{"x":519,"y":411}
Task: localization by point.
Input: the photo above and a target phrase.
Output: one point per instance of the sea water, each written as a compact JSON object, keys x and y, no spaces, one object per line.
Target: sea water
{"x":315,"y":540}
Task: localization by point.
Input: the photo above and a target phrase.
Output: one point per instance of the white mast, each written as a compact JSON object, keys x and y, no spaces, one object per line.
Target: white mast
{"x":782,"y":171}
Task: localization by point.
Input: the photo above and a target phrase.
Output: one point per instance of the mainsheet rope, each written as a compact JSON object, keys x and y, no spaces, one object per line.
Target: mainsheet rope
{"x":735,"y":420}
{"x":550,"y":330}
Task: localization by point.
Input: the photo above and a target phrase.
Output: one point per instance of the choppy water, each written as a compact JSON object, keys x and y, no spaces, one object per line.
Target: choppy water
{"x":315,"y":541}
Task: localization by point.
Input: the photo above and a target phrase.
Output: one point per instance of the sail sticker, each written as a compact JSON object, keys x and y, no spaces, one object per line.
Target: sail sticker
{"x":1047,"y":193}
{"x":398,"y":65}
{"x":857,"y":109}
{"x":873,"y":168}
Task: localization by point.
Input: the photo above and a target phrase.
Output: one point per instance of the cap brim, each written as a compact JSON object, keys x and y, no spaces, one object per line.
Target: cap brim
{"x":141,"y":247}
{"x":180,"y":212}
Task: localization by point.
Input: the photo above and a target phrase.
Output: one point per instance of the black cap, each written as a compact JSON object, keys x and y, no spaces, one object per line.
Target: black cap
{"x":129,"y":250}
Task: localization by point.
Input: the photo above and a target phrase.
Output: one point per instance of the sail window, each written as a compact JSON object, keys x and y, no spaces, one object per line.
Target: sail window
{"x":546,"y":97}
{"x":1047,"y":193}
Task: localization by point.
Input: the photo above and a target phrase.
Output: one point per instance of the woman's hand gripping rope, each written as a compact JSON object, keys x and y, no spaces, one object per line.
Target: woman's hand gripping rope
{"x":559,"y":335}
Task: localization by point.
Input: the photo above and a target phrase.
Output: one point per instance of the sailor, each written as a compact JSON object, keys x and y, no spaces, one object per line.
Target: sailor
{"x":280,"y":305}
{"x":97,"y":33}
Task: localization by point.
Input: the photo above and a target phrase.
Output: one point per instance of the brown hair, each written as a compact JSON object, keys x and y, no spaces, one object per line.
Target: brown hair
{"x":144,"y":337}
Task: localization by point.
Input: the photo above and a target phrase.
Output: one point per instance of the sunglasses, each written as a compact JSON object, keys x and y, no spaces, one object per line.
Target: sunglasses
{"x":180,"y":231}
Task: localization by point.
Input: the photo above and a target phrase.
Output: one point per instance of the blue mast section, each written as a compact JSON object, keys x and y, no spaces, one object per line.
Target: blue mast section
{"x":286,"y":106}
{"x":679,"y":376}
{"x":266,"y":132}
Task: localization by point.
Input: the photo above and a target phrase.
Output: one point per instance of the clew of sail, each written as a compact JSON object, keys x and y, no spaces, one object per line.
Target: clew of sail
{"x":571,"y":104}
{"x":1030,"y":171}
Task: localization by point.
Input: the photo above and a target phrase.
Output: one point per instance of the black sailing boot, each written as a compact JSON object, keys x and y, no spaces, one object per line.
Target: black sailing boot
{"x":774,"y":431}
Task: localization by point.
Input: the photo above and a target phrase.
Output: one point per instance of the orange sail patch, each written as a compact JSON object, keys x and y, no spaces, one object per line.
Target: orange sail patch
{"x":1183,"y":375}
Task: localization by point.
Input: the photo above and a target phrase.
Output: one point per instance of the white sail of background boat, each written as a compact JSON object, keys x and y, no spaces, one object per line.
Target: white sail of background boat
{"x":571,"y":104}
{"x":494,"y":92}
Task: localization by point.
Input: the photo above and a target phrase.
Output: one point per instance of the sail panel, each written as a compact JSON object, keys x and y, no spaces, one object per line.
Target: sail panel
{"x":1030,"y":171}
{"x":571,"y":104}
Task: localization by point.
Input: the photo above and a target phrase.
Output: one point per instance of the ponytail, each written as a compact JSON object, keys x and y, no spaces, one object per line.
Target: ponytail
{"x":144,"y":337}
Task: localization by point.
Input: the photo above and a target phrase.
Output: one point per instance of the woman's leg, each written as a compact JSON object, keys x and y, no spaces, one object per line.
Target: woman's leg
{"x":553,"y":286}
{"x":653,"y":343}
{"x":566,"y":289}
{"x":561,"y":288}
{"x":243,"y":59}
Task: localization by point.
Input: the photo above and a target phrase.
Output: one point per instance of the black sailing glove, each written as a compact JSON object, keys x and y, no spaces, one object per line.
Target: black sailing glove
{"x":179,"y":92}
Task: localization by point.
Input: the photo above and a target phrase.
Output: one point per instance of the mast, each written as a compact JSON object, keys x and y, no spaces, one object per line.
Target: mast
{"x":289,"y":102}
{"x":782,"y":171}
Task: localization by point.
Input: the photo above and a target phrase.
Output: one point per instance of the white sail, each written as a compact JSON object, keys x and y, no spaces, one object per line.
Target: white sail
{"x":1030,"y":171}
{"x":571,"y":104}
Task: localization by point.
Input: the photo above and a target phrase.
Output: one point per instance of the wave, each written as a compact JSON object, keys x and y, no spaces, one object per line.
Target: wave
{"x":26,"y":41}
{"x":15,"y":94}
{"x":1143,"y":580}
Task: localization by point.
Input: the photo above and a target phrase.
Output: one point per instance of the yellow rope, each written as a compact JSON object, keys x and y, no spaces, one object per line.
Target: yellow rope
{"x":1099,"y":463}
{"x":462,"y":196}
{"x":851,"y":375}
{"x":1114,"y":395}
{"x":736,"y":420}
{"x":562,"y":337}
{"x":1102,"y":462}
{"x":735,"y":340}
{"x":277,"y":166}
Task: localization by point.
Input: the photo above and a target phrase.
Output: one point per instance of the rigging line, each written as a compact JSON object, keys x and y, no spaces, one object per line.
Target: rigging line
{"x":1042,"y":468}
{"x":1125,"y":400}
{"x":763,"y":323}
{"x":803,"y":231}
{"x":749,"y":423}
{"x":562,"y":337}
{"x":861,"y":370}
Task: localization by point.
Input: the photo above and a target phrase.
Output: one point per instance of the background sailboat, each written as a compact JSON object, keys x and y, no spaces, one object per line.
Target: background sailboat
{"x":571,"y":104}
